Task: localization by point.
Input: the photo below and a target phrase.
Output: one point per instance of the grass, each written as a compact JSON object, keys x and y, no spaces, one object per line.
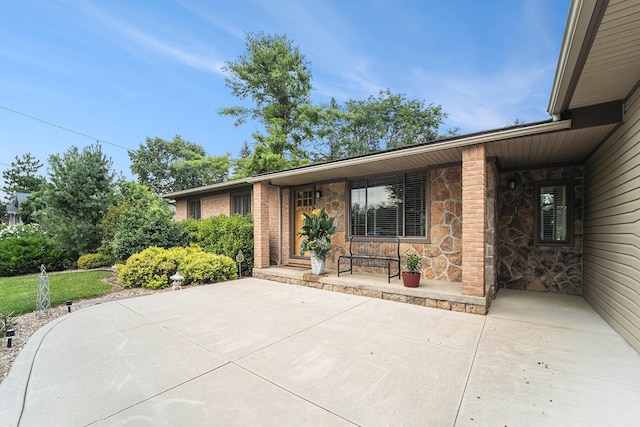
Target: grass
{"x":18,"y":294}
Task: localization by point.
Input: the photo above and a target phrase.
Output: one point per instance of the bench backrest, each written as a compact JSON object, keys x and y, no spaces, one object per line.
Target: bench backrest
{"x":371,"y":246}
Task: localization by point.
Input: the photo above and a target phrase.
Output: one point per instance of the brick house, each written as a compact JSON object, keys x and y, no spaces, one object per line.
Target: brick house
{"x":552,"y":206}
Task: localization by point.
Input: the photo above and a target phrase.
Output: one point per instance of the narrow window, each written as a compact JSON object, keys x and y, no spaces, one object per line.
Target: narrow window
{"x":554,"y":223}
{"x":242,"y":204}
{"x":193,"y":207}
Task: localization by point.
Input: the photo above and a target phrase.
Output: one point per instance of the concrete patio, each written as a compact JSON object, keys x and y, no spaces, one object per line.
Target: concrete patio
{"x":257,"y":352}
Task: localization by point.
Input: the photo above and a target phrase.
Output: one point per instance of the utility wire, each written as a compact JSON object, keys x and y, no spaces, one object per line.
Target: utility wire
{"x":64,"y":128}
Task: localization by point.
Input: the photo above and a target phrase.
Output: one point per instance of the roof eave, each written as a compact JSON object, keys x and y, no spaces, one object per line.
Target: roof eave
{"x":571,"y":60}
{"x":220,"y":186}
{"x":458,"y":142}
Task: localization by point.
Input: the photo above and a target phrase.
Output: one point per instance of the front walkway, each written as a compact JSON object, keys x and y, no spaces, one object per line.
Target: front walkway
{"x":430,"y":293}
{"x":256,"y":352}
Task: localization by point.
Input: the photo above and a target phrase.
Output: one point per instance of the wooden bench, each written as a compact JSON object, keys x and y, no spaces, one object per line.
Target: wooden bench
{"x":380,"y":252}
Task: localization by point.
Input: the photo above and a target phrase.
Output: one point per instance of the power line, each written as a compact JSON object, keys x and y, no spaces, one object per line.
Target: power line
{"x":64,"y":128}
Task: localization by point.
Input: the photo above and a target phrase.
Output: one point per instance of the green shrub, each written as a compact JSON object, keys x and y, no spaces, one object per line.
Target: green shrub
{"x":152,"y":267}
{"x":89,"y":261}
{"x":26,"y":255}
{"x":224,"y":235}
{"x":140,"y":229}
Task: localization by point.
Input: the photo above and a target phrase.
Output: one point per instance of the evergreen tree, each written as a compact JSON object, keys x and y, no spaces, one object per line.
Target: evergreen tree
{"x":80,"y":190}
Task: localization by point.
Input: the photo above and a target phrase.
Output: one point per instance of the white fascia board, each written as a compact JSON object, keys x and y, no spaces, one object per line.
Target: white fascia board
{"x":580,"y":13}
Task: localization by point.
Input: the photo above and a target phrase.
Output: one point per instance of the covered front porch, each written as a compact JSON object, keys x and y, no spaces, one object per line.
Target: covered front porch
{"x":430,"y":293}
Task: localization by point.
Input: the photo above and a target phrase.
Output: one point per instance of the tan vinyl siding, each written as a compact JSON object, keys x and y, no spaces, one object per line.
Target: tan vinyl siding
{"x":611,"y":276}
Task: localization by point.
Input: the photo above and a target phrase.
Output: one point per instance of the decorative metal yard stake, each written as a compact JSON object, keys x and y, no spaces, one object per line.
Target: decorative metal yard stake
{"x":43,"y":302}
{"x":239,"y":259}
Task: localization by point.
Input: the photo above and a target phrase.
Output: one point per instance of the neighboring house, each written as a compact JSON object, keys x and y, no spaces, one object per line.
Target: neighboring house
{"x":12,"y":209}
{"x":551,"y":206}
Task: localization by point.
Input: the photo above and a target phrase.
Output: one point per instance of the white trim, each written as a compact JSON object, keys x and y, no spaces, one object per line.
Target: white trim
{"x":580,"y":14}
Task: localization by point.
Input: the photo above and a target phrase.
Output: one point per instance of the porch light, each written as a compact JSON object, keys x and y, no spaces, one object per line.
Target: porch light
{"x":318,"y":194}
{"x":512,"y":184}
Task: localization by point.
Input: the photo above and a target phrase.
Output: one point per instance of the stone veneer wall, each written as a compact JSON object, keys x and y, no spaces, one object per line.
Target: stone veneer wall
{"x":491,"y":222}
{"x":334,"y":200}
{"x":442,"y":257}
{"x":523,"y":265}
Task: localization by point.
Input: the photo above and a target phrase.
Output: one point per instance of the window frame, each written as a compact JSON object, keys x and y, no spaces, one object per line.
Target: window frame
{"x":242,"y":194}
{"x":197,"y":201}
{"x":427,"y":204}
{"x":538,"y":185}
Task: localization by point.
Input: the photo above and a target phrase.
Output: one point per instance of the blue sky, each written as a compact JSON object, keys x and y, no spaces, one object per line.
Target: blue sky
{"x":120,"y":70}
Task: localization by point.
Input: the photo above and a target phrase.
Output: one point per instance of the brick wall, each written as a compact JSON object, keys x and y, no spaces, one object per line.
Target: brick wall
{"x":181,"y":209}
{"x":474,"y":191}
{"x":274,"y":225}
{"x":214,"y":205}
{"x":260,"y":207}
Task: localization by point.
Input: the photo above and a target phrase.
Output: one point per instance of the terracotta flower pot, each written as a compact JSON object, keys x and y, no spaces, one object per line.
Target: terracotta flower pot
{"x":411,"y":280}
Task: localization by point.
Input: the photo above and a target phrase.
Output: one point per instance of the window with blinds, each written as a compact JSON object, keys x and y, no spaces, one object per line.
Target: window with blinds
{"x":193,"y":207}
{"x":389,"y":206}
{"x":242,"y":204}
{"x":553,"y":213}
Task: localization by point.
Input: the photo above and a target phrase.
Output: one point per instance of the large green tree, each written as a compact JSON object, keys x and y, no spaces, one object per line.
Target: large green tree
{"x":387,"y":121}
{"x":275,"y":76}
{"x":167,"y":166}
{"x":80,"y":189}
{"x":22,"y":176}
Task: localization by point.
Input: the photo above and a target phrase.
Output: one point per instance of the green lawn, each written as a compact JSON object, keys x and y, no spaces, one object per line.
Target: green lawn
{"x":18,"y":294}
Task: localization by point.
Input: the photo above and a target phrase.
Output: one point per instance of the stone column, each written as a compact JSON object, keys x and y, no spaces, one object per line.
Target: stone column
{"x":474,"y":206}
{"x":260,"y":213}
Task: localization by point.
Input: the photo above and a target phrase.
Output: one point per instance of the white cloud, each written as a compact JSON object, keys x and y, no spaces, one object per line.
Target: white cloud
{"x":187,"y":56}
{"x":477,"y":102}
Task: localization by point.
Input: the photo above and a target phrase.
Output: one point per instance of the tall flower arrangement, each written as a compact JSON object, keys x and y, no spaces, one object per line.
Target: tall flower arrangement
{"x":316,"y":231}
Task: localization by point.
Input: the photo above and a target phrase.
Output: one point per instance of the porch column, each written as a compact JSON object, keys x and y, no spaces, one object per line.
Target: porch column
{"x":474,"y":206}
{"x":260,"y":213}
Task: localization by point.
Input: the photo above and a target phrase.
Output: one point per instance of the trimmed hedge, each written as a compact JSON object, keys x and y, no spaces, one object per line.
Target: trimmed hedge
{"x":224,"y":235}
{"x":26,"y":255}
{"x":152,"y":267}
{"x":89,"y":261}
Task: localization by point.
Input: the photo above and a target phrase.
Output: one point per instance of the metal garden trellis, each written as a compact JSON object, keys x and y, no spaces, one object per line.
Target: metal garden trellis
{"x":43,"y":301}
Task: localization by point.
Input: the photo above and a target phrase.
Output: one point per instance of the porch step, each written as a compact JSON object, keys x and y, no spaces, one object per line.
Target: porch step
{"x":430,"y":293}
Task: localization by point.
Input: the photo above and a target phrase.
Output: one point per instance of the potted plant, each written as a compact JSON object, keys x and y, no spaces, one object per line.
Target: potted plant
{"x":315,"y":232}
{"x":411,"y":276}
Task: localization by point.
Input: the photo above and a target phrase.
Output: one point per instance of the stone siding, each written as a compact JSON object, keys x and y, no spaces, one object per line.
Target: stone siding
{"x":491,"y":223}
{"x":441,"y":255}
{"x":522,"y":264}
{"x":314,"y":281}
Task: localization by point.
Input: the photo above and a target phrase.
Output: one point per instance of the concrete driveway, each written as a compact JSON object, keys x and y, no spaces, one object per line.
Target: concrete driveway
{"x":255,"y":352}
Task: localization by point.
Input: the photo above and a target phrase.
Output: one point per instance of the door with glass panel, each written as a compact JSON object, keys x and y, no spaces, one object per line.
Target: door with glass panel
{"x":303,"y":203}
